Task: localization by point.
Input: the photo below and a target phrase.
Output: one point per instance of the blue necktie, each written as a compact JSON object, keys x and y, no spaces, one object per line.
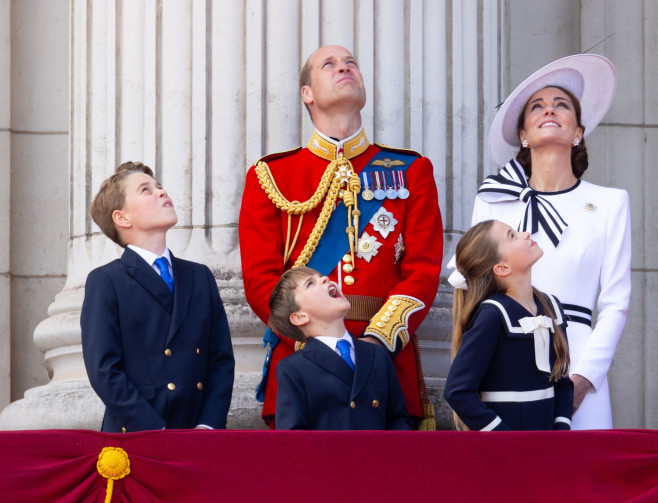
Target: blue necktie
{"x":344,"y":348}
{"x":162,"y":264}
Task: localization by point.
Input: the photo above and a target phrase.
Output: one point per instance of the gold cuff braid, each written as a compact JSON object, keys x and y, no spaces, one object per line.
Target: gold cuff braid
{"x":391,"y":322}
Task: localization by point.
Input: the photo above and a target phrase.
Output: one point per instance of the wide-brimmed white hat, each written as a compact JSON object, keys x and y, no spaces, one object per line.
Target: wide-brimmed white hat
{"x":590,"y":77}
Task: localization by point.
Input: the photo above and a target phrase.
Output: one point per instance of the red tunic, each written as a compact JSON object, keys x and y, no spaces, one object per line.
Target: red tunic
{"x":415,"y":273}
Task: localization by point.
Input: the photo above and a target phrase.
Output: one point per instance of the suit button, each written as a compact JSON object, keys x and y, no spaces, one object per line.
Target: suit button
{"x":349,"y":280}
{"x":171,"y":386}
{"x":167,"y":352}
{"x":347,"y":258}
{"x":375,"y":403}
{"x":348,"y":268}
{"x":199,"y":386}
{"x":352,"y":404}
{"x":197,"y":351}
{"x":396,"y":302}
{"x":123,"y":429}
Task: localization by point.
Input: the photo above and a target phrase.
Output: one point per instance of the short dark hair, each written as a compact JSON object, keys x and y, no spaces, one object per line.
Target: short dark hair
{"x":111,"y":197}
{"x":282,"y":302}
{"x":305,"y":78}
{"x":579,"y":161}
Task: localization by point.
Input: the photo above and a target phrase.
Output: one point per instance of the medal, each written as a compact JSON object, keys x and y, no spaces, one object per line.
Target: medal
{"x":383,"y":222}
{"x":399,"y":249}
{"x":367,"y":247}
{"x":391,"y":193}
{"x":367,"y":194}
{"x":403,"y":192}
{"x":379,"y":193}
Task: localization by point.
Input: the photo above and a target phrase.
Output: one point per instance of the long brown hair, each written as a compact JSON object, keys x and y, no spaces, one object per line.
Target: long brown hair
{"x":477,"y":254}
{"x":579,"y":161}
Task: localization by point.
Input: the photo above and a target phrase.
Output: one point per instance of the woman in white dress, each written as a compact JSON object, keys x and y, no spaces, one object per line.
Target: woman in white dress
{"x":584,"y":229}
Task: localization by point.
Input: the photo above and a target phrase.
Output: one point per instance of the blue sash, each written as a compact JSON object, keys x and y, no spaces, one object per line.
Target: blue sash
{"x":327,"y":254}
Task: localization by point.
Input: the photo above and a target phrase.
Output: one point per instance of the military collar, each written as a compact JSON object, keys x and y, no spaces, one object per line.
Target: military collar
{"x":328,"y":149}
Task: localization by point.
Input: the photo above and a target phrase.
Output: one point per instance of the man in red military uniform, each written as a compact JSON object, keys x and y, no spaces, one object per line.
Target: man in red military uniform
{"x":365,"y":215}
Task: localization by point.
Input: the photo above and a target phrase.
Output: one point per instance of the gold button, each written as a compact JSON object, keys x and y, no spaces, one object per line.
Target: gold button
{"x":380,"y":324}
{"x":392,"y":308}
{"x":167,"y":352}
{"x":171,"y":386}
{"x":348,"y":268}
{"x":352,"y":404}
{"x":590,"y":206}
{"x":197,"y":351}
{"x":349,"y":280}
{"x":347,"y":258}
{"x":123,"y":429}
{"x":375,"y":403}
{"x":395,"y":302}
{"x":199,"y":386}
{"x":388,"y":313}
{"x":386,"y":318}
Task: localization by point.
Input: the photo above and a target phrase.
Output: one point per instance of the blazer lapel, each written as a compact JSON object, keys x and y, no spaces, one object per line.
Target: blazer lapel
{"x":183,"y":288}
{"x":364,"y":354}
{"x":320,"y":354}
{"x":144,"y":274}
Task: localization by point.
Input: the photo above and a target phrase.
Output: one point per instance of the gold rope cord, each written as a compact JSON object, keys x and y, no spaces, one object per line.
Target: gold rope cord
{"x":338,"y":173}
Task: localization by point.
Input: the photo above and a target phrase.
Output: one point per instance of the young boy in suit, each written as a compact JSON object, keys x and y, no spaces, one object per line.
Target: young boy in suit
{"x":336,"y":382}
{"x":155,"y":338}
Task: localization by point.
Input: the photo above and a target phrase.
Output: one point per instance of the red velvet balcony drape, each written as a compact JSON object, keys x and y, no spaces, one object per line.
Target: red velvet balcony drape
{"x":190,"y":466}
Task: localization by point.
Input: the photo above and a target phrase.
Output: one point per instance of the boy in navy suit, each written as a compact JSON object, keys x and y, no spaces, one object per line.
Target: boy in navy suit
{"x":155,"y":338}
{"x":336,"y":382}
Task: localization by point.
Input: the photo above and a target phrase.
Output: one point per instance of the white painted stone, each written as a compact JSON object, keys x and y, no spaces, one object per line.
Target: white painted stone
{"x":649,"y":351}
{"x":627,"y":373}
{"x":5,"y":341}
{"x":30,"y":298}
{"x":39,"y":193}
{"x":40,"y":81}
{"x":5,"y":65}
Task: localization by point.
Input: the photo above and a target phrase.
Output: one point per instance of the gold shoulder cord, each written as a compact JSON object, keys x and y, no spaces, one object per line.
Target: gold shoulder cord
{"x":339,"y":173}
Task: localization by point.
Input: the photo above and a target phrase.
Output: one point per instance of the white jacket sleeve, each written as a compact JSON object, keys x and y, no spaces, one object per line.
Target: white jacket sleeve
{"x":615,"y":292}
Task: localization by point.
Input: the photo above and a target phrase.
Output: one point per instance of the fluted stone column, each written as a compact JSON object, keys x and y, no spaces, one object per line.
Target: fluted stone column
{"x":5,"y":139}
{"x":200,"y":90}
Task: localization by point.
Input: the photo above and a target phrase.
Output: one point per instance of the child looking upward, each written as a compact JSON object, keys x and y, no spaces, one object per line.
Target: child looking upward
{"x":155,"y":338}
{"x":511,"y":361}
{"x":336,"y":382}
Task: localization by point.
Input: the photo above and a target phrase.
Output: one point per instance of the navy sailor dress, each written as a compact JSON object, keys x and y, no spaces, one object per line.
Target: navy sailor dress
{"x":495,"y":381}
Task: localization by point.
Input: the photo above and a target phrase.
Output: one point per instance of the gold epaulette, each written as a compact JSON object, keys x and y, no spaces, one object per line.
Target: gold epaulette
{"x":400,"y":150}
{"x":277,"y":155}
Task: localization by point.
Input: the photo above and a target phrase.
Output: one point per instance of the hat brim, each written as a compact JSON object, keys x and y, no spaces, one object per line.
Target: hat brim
{"x":590,"y":77}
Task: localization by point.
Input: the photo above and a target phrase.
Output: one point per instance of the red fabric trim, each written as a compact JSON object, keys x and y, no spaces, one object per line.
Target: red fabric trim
{"x":602,"y":466}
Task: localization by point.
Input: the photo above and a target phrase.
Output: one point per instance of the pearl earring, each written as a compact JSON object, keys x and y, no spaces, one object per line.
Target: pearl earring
{"x":576,"y":142}
{"x":524,"y":143}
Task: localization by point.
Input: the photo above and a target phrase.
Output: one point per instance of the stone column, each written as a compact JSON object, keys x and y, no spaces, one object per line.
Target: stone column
{"x":5,"y":142}
{"x":200,"y":90}
{"x":624,"y":153}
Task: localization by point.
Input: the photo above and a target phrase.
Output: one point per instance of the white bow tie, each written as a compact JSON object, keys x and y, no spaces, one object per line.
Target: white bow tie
{"x":539,"y":326}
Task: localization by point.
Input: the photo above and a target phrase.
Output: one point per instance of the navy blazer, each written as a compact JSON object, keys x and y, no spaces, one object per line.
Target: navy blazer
{"x":157,"y":359}
{"x":317,"y":390}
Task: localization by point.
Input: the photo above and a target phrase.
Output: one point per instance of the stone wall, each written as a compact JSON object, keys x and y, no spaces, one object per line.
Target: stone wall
{"x":200,"y":90}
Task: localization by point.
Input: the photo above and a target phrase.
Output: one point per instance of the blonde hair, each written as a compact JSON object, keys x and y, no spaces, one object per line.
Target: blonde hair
{"x":477,"y":254}
{"x":111,"y":197}
{"x":282,"y":302}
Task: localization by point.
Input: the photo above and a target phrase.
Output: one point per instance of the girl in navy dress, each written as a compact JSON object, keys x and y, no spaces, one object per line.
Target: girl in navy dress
{"x":511,"y":359}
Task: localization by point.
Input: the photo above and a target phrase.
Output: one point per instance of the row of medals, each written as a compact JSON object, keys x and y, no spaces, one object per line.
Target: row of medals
{"x":385,"y":184}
